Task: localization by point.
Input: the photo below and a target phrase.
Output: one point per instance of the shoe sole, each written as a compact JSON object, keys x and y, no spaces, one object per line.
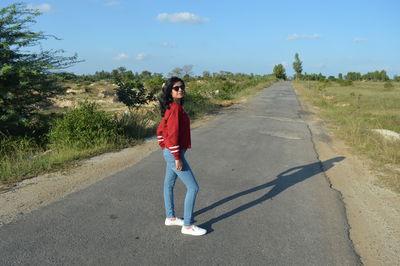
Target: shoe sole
{"x":189,"y":234}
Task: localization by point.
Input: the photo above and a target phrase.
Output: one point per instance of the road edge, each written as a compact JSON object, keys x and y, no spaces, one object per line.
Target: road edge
{"x":372,"y":212}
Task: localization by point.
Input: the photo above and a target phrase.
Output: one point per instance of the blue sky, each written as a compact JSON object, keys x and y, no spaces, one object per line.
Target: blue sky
{"x":331,"y":37}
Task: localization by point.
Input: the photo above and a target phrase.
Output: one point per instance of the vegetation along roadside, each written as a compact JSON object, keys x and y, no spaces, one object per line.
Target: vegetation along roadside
{"x":50,"y":118}
{"x":59,"y":136}
{"x":357,"y":111}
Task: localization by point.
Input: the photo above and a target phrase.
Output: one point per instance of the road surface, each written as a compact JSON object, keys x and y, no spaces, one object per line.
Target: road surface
{"x":263,"y":198}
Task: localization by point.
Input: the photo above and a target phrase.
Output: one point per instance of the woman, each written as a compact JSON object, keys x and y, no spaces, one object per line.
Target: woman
{"x":173,"y":135}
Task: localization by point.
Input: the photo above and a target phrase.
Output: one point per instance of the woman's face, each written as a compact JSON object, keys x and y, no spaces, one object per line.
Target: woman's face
{"x":177,"y":95}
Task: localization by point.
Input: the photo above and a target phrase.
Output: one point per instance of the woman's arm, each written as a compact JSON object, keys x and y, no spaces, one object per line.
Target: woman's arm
{"x":172,"y":143}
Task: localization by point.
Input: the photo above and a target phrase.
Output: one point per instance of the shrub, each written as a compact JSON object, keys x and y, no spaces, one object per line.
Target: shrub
{"x":345,"y":82}
{"x":226,"y":90}
{"x":83,"y":127}
{"x":10,"y":146}
{"x":136,"y":126}
{"x":388,"y":85}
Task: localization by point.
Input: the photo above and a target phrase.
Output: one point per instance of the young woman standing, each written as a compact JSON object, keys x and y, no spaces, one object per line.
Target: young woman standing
{"x":173,"y":135}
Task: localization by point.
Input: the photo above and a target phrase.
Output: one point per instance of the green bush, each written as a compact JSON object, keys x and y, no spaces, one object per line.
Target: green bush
{"x":196,"y":104}
{"x":225,"y":90}
{"x":388,"y":85}
{"x":345,"y":82}
{"x":83,"y":127}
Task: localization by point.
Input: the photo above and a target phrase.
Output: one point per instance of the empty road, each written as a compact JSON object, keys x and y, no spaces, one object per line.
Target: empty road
{"x":263,"y":198}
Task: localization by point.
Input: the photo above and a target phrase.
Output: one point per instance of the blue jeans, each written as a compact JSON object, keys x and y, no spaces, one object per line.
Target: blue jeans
{"x":187,"y":177}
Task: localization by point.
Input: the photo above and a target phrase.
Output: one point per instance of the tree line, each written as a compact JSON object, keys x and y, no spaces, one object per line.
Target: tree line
{"x":280,"y":73}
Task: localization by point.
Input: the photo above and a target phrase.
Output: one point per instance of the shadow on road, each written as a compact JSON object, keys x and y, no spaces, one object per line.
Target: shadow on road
{"x":283,"y":181}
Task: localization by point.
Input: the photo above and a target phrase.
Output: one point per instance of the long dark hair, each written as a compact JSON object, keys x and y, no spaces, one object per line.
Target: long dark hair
{"x":165,"y":98}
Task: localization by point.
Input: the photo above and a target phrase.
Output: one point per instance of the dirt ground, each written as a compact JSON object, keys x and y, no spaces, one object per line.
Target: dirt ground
{"x":373,"y":212}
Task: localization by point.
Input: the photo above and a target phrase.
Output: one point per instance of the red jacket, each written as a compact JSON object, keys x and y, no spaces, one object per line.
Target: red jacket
{"x":173,"y":132}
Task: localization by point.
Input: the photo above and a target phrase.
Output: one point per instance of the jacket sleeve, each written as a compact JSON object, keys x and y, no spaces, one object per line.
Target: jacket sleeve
{"x":173,"y":133}
{"x":160,"y":134}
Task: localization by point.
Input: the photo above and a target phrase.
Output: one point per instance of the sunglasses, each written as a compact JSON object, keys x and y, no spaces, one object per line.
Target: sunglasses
{"x":176,"y":88}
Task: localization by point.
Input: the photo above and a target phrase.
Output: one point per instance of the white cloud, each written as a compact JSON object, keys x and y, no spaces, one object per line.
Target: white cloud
{"x":296,"y":36}
{"x":168,"y":45}
{"x":45,"y":8}
{"x":360,"y":40}
{"x":183,"y":17}
{"x":112,"y":3}
{"x":121,"y":56}
{"x":141,"y":56}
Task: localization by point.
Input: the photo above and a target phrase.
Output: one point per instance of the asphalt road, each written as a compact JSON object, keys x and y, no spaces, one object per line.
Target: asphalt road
{"x":263,"y":197}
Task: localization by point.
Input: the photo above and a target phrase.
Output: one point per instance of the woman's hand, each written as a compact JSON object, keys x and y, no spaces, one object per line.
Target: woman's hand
{"x":179,"y":165}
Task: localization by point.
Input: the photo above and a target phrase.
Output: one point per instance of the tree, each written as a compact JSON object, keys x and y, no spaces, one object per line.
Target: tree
{"x":353,"y":76}
{"x":206,"y":74}
{"x":25,"y":80}
{"x":153,"y":85}
{"x":131,"y":93}
{"x":340,"y":76}
{"x":131,"y":90}
{"x":187,"y":71}
{"x":376,"y":76}
{"x":280,"y":72}
{"x":145,"y":74}
{"x":176,"y":72}
{"x":297,"y":66}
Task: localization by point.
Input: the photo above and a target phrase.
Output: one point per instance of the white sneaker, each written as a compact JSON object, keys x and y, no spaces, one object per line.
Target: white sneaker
{"x":194,"y":231}
{"x":177,"y":221}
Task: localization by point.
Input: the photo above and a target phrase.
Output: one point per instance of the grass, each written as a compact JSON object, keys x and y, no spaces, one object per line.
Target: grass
{"x":25,"y":165}
{"x":354,"y":110}
{"x":22,"y":158}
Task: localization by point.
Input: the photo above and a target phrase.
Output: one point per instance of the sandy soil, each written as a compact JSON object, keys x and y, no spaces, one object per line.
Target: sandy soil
{"x":373,"y":212}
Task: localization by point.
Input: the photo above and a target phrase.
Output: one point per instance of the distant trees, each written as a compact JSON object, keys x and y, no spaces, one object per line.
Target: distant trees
{"x":375,"y":76}
{"x":318,"y":77}
{"x":182,"y":72}
{"x":206,"y":74}
{"x":297,"y":66}
{"x":25,"y":78}
{"x":101,"y":75}
{"x":145,"y":74}
{"x":353,"y":76}
{"x":280,"y":72}
{"x":187,"y":71}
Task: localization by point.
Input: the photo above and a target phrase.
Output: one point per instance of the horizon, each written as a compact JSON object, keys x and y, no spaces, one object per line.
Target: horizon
{"x":251,"y":37}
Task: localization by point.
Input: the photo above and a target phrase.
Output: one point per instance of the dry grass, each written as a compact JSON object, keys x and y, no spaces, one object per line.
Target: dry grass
{"x":353,"y":111}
